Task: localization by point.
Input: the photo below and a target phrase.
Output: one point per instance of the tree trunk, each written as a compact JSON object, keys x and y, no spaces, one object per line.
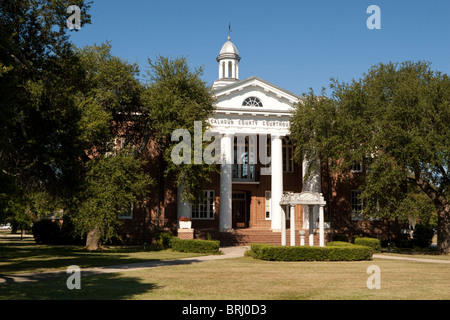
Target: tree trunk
{"x":443,"y":210}
{"x":93,"y":240}
{"x":443,"y":232}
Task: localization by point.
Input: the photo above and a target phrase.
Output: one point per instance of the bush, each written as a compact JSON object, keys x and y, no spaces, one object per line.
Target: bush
{"x":163,"y":239}
{"x":339,"y":244}
{"x":295,"y":253}
{"x":196,"y":246}
{"x":46,"y":232}
{"x":373,"y":243}
{"x":53,"y":232}
{"x":422,"y":236}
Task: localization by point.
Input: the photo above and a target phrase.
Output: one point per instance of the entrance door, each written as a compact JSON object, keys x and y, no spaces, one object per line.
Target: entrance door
{"x":239,"y":210}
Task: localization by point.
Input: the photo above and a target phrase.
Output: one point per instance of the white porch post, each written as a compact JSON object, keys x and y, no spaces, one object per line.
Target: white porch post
{"x":276,"y":180}
{"x":321,"y":227}
{"x":283,"y":227}
{"x":292,"y":209}
{"x":311,"y":225}
{"x":226,"y":145}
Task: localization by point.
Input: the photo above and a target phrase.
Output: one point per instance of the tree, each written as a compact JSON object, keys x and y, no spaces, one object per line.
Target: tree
{"x":395,"y":119}
{"x":39,"y":136}
{"x":113,"y":184}
{"x":174,"y":98}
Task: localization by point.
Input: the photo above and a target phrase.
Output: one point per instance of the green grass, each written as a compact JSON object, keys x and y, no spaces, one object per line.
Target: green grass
{"x":248,"y":278}
{"x":233,"y":279}
{"x":25,"y":256}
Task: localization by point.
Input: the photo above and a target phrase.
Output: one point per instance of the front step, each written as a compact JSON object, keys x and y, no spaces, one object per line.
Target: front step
{"x":248,"y":236}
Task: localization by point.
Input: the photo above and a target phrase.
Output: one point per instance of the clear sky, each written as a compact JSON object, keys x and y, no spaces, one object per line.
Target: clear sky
{"x":292,"y":44}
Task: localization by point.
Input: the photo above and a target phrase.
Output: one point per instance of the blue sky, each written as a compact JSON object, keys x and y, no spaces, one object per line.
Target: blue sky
{"x":296,"y":45}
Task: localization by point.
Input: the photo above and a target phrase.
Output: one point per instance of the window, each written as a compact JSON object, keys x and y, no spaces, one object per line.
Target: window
{"x":244,"y":168}
{"x":357,"y":205}
{"x":357,"y":166}
{"x":252,"y":102}
{"x":288,"y":155}
{"x":205,"y":210}
{"x":126,"y":213}
{"x":267,"y":204}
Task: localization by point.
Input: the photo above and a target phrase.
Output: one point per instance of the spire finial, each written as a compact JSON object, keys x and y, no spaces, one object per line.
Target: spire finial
{"x":229,"y":31}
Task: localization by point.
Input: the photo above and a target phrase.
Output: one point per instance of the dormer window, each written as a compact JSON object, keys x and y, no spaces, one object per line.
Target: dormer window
{"x":252,"y":102}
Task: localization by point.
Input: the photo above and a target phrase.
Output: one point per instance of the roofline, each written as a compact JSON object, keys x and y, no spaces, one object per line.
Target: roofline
{"x":239,"y":83}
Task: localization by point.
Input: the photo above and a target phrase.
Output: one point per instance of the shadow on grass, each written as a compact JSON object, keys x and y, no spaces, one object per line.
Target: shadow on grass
{"x":38,"y":258}
{"x":111,"y":286}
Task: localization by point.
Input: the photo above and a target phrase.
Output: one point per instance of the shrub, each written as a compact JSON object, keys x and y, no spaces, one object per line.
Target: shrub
{"x":373,"y":243}
{"x":422,"y":236}
{"x":46,"y":232}
{"x":296,"y":253}
{"x":339,"y":244}
{"x":196,"y":246}
{"x":163,"y":239}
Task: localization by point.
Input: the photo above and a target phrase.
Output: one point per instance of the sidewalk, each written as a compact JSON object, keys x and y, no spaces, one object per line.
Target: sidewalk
{"x":228,"y":253}
{"x":410,"y":259}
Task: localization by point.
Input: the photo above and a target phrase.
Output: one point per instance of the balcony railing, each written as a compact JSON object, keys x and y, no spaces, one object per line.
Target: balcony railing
{"x":244,"y":173}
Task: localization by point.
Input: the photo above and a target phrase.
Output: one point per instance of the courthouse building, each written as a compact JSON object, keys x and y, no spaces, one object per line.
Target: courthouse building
{"x":260,"y":194}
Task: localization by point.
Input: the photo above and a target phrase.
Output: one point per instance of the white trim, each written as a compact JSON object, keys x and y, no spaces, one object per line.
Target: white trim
{"x":357,"y":215}
{"x":128,"y":216}
{"x":210,"y":207}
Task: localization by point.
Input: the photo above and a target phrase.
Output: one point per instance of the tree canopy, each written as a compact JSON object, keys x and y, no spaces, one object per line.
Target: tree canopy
{"x":175,"y":97}
{"x":395,"y":121}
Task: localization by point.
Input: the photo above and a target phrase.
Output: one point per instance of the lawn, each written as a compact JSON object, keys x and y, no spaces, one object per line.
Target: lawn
{"x":246,"y":278}
{"x":234,"y":279}
{"x":24,"y":256}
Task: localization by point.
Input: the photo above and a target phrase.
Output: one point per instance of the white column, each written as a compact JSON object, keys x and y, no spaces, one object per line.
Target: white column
{"x":226,"y":69}
{"x":276,"y":180}
{"x":283,"y":227}
{"x":321,"y":227}
{"x":311,"y":225}
{"x":292,"y":208}
{"x":220,"y":70}
{"x":226,"y":145}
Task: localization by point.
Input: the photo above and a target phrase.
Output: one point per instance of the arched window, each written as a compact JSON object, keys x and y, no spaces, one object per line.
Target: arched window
{"x":223,"y":69}
{"x":230,"y":69}
{"x":252,"y":102}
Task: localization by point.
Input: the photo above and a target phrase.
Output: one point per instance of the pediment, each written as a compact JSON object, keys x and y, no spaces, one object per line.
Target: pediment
{"x":305,"y":198}
{"x":273,"y":98}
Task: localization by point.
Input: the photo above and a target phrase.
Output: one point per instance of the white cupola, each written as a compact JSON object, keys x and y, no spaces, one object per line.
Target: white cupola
{"x":228,"y":60}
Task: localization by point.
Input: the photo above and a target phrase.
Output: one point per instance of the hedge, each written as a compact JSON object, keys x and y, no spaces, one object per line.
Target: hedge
{"x":196,"y":246}
{"x":339,"y":244}
{"x":306,"y":253}
{"x":373,"y":243}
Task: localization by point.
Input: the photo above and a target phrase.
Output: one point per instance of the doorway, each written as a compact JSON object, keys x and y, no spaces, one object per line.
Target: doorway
{"x":240,"y":210}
